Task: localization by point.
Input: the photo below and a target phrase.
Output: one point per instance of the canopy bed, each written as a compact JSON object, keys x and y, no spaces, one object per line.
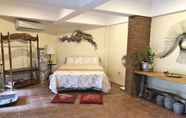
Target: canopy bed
{"x":79,"y":73}
{"x":11,"y":60}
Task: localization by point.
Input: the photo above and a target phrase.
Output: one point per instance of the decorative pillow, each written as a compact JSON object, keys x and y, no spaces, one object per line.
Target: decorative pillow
{"x":82,"y":60}
{"x":63,"y":99}
{"x":78,"y":60}
{"x":69,"y":60}
{"x":91,"y":99}
{"x":90,"y":60}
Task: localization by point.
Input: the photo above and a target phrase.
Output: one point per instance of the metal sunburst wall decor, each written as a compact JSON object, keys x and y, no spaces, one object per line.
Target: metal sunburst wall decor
{"x":78,"y":36}
{"x":176,"y":37}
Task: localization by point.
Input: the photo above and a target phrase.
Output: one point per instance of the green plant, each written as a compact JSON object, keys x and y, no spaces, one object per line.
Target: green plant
{"x":146,"y":55}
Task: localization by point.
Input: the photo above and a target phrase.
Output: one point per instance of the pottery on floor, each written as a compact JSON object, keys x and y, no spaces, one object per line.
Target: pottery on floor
{"x":160,"y":100}
{"x":168,"y":102}
{"x":179,"y":108}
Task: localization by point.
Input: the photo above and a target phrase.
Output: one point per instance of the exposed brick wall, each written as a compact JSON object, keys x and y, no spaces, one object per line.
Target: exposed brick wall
{"x":138,"y":39}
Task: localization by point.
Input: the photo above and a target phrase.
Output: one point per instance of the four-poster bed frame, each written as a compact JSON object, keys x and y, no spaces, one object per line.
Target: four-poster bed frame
{"x":11,"y":71}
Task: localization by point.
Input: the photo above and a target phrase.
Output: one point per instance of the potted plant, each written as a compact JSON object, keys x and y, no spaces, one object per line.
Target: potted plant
{"x":146,"y":59}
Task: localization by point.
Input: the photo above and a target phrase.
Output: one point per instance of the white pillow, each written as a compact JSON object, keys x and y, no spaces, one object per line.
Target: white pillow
{"x":82,"y":60}
{"x":90,"y":60}
{"x":78,"y":60}
{"x":69,"y":60}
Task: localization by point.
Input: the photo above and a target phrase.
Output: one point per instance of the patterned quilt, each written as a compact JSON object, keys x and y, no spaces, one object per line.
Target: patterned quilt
{"x":79,"y":77}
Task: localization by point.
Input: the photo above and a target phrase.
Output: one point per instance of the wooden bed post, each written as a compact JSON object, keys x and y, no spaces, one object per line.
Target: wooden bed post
{"x":31,"y":65}
{"x":3,"y":61}
{"x":38,"y":56}
{"x":10,"y":59}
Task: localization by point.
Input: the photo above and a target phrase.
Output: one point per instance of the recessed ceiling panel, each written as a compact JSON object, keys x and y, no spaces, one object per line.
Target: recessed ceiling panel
{"x":93,"y":12}
{"x":98,"y":18}
{"x":133,"y":7}
{"x":160,"y":7}
{"x":29,"y":11}
{"x":72,"y":4}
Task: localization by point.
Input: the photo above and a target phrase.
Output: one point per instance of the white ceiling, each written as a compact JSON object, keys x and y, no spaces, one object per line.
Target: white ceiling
{"x":130,"y":7}
{"x":98,"y":18}
{"x":91,"y":12}
{"x":161,"y":7}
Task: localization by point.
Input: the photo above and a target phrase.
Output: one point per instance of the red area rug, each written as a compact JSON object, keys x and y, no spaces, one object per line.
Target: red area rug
{"x":23,"y":100}
{"x":91,"y":99}
{"x":63,"y":99}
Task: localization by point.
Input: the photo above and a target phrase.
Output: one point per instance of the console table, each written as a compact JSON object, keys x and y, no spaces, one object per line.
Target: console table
{"x":156,"y":75}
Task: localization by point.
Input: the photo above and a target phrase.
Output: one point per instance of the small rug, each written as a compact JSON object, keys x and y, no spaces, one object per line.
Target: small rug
{"x":23,"y":100}
{"x":64,"y":98}
{"x":91,"y":99}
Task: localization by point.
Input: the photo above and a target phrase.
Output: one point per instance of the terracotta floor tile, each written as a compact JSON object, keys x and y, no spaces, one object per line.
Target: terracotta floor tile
{"x":116,"y":105}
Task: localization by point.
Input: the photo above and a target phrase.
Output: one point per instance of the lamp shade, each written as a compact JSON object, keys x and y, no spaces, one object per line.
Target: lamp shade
{"x":50,"y":50}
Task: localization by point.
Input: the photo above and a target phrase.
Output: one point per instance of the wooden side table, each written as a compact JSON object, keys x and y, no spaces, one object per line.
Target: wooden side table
{"x":160,"y":76}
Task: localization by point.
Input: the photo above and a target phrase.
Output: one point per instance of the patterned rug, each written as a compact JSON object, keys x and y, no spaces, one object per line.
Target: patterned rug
{"x":91,"y":99}
{"x":23,"y":100}
{"x":88,"y":98}
{"x":64,"y":98}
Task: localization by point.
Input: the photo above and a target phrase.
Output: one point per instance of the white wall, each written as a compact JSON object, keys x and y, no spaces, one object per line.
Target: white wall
{"x":161,"y":27}
{"x":111,"y":41}
{"x":8,"y":25}
{"x":117,"y":47}
{"x":159,"y":31}
{"x":112,"y":45}
{"x":65,"y":49}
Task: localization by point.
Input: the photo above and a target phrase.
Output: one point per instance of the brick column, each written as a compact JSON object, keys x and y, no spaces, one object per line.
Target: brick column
{"x":138,"y":39}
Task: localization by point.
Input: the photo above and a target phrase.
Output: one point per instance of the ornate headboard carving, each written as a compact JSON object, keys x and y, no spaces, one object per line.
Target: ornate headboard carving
{"x":77,"y":36}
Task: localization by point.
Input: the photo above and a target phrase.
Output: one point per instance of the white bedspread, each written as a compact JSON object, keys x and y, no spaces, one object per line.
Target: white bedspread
{"x":79,"y":77}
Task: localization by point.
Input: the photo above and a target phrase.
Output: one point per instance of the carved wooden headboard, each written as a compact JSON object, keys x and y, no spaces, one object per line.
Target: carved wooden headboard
{"x":78,"y":36}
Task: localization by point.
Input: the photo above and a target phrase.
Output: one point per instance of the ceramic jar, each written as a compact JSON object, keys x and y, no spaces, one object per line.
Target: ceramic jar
{"x":160,"y":100}
{"x":146,"y":66}
{"x":179,"y":108}
{"x":168,"y":102}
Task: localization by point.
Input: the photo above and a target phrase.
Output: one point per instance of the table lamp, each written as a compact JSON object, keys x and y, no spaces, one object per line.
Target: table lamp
{"x":50,"y":52}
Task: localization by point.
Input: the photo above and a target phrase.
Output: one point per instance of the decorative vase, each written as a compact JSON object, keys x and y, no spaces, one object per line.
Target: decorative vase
{"x":179,"y":108}
{"x":160,"y":100}
{"x":168,"y":102}
{"x":146,"y":66}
